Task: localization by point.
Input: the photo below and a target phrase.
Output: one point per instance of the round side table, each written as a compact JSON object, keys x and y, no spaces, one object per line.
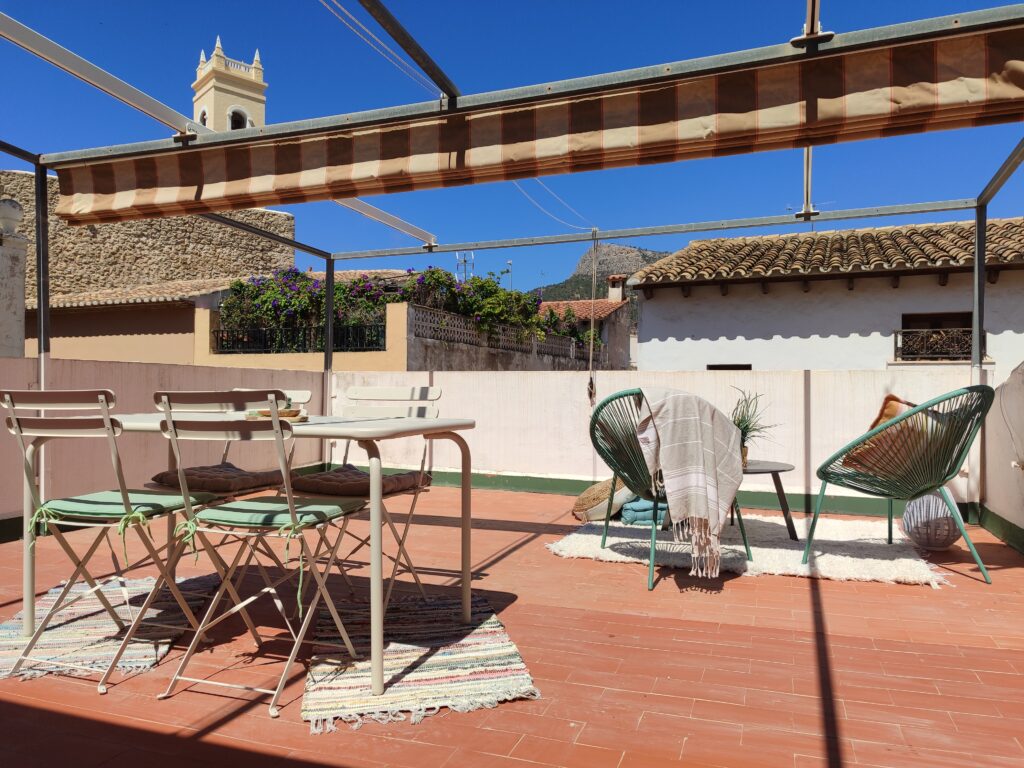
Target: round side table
{"x":774,"y":468}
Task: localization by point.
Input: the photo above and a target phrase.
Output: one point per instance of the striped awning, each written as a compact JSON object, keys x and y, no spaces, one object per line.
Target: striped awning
{"x":946,"y":83}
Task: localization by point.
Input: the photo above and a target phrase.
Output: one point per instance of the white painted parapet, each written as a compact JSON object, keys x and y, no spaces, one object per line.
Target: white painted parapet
{"x":13,"y":248}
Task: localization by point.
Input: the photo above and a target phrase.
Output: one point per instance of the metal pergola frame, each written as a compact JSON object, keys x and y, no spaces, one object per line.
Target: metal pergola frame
{"x":755,"y":58}
{"x":812,"y":42}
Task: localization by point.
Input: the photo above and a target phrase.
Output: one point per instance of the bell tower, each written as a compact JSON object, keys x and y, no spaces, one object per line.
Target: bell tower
{"x":228,"y":94}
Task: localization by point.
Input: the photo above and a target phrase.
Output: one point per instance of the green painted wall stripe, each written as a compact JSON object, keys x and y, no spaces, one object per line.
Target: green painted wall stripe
{"x":798,"y":502}
{"x":1002,"y":529}
{"x":801,"y":502}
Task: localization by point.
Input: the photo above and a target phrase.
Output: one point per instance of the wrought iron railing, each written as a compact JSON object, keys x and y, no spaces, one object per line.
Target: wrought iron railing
{"x":932,"y":344}
{"x":347,"y":338}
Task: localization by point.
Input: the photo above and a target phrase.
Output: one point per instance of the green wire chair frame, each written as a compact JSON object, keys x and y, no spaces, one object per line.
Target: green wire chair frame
{"x":923,"y":450}
{"x":613,"y":433}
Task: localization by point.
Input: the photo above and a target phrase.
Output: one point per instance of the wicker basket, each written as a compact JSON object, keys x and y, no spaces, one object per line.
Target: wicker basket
{"x":595,"y":495}
{"x":928,"y":522}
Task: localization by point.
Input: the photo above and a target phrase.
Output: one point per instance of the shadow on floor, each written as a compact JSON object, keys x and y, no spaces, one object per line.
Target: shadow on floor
{"x":36,"y":736}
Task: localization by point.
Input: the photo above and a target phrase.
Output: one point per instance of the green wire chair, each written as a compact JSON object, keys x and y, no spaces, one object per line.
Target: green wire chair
{"x":613,"y":433}
{"x":912,"y":455}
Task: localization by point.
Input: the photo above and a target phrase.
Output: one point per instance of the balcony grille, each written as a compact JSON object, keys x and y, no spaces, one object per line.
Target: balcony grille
{"x":932,"y":344}
{"x":347,"y":338}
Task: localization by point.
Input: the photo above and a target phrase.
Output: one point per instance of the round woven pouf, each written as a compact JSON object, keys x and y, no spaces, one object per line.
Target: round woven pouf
{"x":929,"y":523}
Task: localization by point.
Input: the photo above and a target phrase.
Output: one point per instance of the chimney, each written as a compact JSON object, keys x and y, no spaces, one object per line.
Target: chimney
{"x":617,"y":287}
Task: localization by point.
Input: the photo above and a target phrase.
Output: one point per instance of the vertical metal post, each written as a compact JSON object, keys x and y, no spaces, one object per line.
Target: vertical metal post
{"x":808,"y":205}
{"x":328,"y":385}
{"x":329,"y":317}
{"x":976,"y":458}
{"x":42,"y":202}
{"x":28,"y":574}
{"x":978,"y":316}
{"x":812,"y":25}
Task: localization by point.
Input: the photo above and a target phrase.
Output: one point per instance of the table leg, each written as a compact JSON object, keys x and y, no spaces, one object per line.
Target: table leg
{"x":466,"y":483}
{"x":172,"y":465}
{"x":28,"y":544}
{"x":785,"y":506}
{"x":376,"y":571}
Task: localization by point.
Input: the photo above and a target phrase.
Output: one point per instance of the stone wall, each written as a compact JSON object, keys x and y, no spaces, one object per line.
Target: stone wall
{"x":12,"y":280}
{"x":140,"y":252}
{"x":434,"y":355}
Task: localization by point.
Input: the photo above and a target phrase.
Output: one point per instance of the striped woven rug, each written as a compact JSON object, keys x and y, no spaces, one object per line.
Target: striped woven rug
{"x":431,"y":660}
{"x":85,"y":635}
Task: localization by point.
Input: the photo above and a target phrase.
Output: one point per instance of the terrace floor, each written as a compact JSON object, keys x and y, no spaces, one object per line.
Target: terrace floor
{"x":767,"y":671}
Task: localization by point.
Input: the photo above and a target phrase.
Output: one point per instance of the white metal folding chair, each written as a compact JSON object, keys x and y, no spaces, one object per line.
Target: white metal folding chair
{"x":121,"y":509}
{"x":253,"y":522}
{"x":390,"y":403}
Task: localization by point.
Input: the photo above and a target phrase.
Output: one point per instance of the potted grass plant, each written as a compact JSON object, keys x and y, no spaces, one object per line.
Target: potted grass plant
{"x":748,"y":416}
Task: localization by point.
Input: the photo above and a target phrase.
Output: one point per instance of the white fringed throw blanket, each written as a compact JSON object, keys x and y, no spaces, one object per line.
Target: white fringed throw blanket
{"x":697,"y":449}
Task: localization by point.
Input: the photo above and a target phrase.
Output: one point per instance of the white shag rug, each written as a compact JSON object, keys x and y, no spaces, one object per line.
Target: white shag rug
{"x":844,"y":550}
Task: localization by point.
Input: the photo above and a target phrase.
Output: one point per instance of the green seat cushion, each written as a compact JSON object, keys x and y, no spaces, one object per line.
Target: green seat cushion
{"x":108,"y":504}
{"x":272,"y":511}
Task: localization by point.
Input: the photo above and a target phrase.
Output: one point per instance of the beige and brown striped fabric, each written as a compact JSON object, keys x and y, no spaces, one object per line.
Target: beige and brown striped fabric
{"x":947,"y":83}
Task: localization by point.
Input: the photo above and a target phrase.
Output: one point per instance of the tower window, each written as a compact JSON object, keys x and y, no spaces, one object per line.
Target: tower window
{"x":202,"y":117}
{"x":238,"y":120}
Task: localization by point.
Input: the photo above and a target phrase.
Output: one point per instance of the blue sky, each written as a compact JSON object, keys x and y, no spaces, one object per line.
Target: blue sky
{"x":315,"y":67}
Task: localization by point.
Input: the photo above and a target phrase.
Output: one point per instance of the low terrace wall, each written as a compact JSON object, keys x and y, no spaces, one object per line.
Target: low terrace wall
{"x":71,"y":468}
{"x":535,"y":424}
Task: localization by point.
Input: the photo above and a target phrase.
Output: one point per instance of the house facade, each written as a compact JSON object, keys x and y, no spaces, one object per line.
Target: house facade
{"x":611,"y":320}
{"x":857,"y":299}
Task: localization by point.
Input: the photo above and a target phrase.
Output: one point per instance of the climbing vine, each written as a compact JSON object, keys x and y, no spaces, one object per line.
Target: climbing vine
{"x":291,"y":299}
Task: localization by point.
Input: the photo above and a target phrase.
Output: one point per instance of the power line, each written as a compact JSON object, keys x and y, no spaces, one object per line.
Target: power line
{"x":545,"y":211}
{"x":380,"y":47}
{"x":569,"y":207}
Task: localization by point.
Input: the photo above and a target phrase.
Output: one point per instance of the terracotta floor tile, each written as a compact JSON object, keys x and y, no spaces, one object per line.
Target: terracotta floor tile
{"x":567,"y":755}
{"x":903,"y":756}
{"x":464,"y":758}
{"x":665,"y":745}
{"x":979,"y":743}
{"x":722,"y":676}
{"x":445,"y":730}
{"x":925,"y":718}
{"x":534,"y":725}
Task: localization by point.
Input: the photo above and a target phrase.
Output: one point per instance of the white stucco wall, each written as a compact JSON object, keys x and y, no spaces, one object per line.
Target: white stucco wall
{"x":536,"y":423}
{"x":1004,"y":451}
{"x":827,"y":328}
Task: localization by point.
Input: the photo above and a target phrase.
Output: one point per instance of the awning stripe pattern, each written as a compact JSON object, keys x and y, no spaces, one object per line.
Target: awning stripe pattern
{"x":946,"y":83}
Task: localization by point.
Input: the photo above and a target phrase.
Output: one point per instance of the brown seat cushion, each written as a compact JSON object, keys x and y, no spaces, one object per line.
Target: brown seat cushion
{"x":221,"y":478}
{"x":347,"y":480}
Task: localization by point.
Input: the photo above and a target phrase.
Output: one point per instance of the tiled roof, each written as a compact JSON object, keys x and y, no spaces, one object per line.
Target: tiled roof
{"x":151,"y":293}
{"x":171,"y":291}
{"x":875,"y":250}
{"x":602,"y":308}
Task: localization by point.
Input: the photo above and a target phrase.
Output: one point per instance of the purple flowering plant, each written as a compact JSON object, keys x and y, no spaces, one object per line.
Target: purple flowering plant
{"x":290,"y":298}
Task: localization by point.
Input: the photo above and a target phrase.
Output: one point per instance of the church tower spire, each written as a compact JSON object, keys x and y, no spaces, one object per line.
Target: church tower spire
{"x":228,"y":94}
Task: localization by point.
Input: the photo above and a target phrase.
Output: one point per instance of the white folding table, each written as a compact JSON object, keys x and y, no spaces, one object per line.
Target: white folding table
{"x":366,"y":433}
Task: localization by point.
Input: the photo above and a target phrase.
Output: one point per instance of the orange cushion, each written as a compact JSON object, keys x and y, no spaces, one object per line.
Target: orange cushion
{"x":892,"y":407}
{"x":876,"y":455}
{"x":881,"y":455}
{"x":221,"y":478}
{"x":349,"y":481}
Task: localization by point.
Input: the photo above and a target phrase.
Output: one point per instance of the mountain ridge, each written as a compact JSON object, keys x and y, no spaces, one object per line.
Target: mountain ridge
{"x":611,"y":260}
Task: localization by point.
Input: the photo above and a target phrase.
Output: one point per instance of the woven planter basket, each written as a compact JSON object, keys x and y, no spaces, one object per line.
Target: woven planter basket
{"x":594,"y":495}
{"x":928,"y":522}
